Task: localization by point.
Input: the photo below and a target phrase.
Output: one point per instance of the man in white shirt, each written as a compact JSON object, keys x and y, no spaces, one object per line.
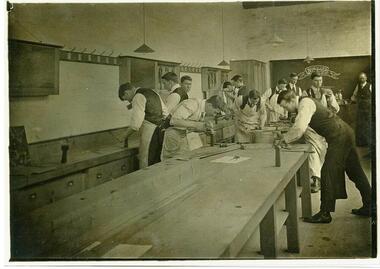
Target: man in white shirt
{"x":292,"y":85}
{"x":148,"y":118}
{"x":275,"y":112}
{"x":363,"y":97}
{"x":325,"y":96}
{"x":187,"y":119}
{"x":177,"y":93}
{"x":327,"y":99}
{"x":227,"y":93}
{"x":341,"y":156}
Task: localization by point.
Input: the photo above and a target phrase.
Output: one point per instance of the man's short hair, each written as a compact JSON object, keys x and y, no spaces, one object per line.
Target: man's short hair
{"x":293,"y":75}
{"x":217,"y":102}
{"x":254,"y":94}
{"x":315,"y":74}
{"x":286,"y":96}
{"x":236,"y":78}
{"x":123,"y":88}
{"x":282,"y":81}
{"x":170,"y":76}
{"x":226,"y":84}
{"x":183,"y":78}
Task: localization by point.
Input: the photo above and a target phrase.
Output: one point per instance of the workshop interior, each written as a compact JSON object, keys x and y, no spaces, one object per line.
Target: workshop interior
{"x":191,"y":131}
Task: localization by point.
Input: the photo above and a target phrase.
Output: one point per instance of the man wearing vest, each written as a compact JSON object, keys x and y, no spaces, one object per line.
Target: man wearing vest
{"x":147,"y":117}
{"x":275,"y":112}
{"x":325,"y":96}
{"x":187,"y":120}
{"x":292,"y":85}
{"x":341,"y":156}
{"x":250,"y":114}
{"x":362,"y":96}
{"x":177,"y":93}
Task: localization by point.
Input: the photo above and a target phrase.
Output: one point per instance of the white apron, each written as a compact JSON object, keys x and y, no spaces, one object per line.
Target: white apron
{"x":319,"y":146}
{"x":146,"y":132}
{"x":246,"y":121}
{"x":274,"y":116}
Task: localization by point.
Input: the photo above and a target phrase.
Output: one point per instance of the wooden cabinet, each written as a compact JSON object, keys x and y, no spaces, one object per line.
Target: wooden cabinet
{"x":33,"y":68}
{"x":212,"y":80}
{"x":143,"y":72}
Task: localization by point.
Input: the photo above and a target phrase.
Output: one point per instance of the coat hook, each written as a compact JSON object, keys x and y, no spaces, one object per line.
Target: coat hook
{"x":102,"y":53}
{"x":72,"y":50}
{"x":110,"y":53}
{"x":83,"y":50}
{"x":92,"y":52}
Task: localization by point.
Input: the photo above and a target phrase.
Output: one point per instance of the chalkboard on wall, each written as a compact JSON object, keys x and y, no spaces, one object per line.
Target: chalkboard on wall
{"x":340,"y":73}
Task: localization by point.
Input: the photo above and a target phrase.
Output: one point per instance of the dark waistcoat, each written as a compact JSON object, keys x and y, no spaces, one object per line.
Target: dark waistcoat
{"x":153,"y":107}
{"x":182,"y":93}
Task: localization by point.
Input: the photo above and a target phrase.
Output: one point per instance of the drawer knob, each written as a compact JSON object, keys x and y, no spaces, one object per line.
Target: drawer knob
{"x":99,"y":175}
{"x":70,"y":183}
{"x":123,"y":167}
{"x":33,"y":196}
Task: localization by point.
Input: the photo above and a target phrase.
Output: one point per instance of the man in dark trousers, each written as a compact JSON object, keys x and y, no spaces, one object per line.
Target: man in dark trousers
{"x":362,"y":96}
{"x":177,"y":93}
{"x":341,"y":153}
{"x":148,"y":118}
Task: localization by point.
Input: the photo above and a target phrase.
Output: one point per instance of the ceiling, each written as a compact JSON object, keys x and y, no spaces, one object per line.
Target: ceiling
{"x":264,"y":4}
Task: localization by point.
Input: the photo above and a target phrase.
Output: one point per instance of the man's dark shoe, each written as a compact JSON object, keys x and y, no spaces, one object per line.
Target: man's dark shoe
{"x":320,"y":217}
{"x":315,"y":186}
{"x":363,"y":211}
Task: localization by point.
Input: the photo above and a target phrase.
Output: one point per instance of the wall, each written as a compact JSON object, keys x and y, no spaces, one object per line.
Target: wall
{"x":348,"y":69}
{"x":336,"y":28}
{"x":87,"y":102}
{"x":189,"y":33}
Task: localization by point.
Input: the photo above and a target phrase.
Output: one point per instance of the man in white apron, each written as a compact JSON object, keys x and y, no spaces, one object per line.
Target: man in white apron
{"x":250,"y":115}
{"x":275,"y":112}
{"x":319,"y":144}
{"x":187,"y":119}
{"x":148,"y":118}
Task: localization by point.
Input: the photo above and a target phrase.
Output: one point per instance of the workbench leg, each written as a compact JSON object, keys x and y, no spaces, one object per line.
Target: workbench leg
{"x":292,"y":220}
{"x":268,"y":235}
{"x":306,"y":194}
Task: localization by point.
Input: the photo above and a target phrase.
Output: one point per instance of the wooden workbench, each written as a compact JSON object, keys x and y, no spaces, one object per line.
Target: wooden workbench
{"x":188,"y":207}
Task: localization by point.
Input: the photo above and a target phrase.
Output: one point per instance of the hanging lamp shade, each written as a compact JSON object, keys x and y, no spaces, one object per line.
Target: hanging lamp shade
{"x":223,"y":63}
{"x":144,"y":48}
{"x":276,"y":40}
{"x":308,"y":59}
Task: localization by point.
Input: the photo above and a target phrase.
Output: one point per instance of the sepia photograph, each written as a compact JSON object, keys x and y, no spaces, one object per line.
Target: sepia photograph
{"x":190,"y":131}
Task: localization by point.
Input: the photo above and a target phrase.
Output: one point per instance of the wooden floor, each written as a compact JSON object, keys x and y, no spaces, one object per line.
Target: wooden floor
{"x":347,"y":236}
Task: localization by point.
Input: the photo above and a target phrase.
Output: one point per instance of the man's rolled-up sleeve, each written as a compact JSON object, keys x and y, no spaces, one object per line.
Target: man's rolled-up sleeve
{"x":138,"y":111}
{"x":306,"y":110}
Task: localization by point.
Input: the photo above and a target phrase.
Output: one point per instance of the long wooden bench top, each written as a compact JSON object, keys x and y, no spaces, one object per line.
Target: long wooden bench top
{"x":218,"y":219}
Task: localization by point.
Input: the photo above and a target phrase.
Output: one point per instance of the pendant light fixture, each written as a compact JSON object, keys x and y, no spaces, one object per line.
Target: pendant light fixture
{"x":223,"y":62}
{"x":144,"y":48}
{"x":308,"y":58}
{"x":275,"y":40}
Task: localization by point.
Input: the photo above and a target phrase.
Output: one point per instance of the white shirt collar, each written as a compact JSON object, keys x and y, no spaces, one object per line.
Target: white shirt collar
{"x":314,"y":88}
{"x":365,"y":83}
{"x":175,"y":86}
